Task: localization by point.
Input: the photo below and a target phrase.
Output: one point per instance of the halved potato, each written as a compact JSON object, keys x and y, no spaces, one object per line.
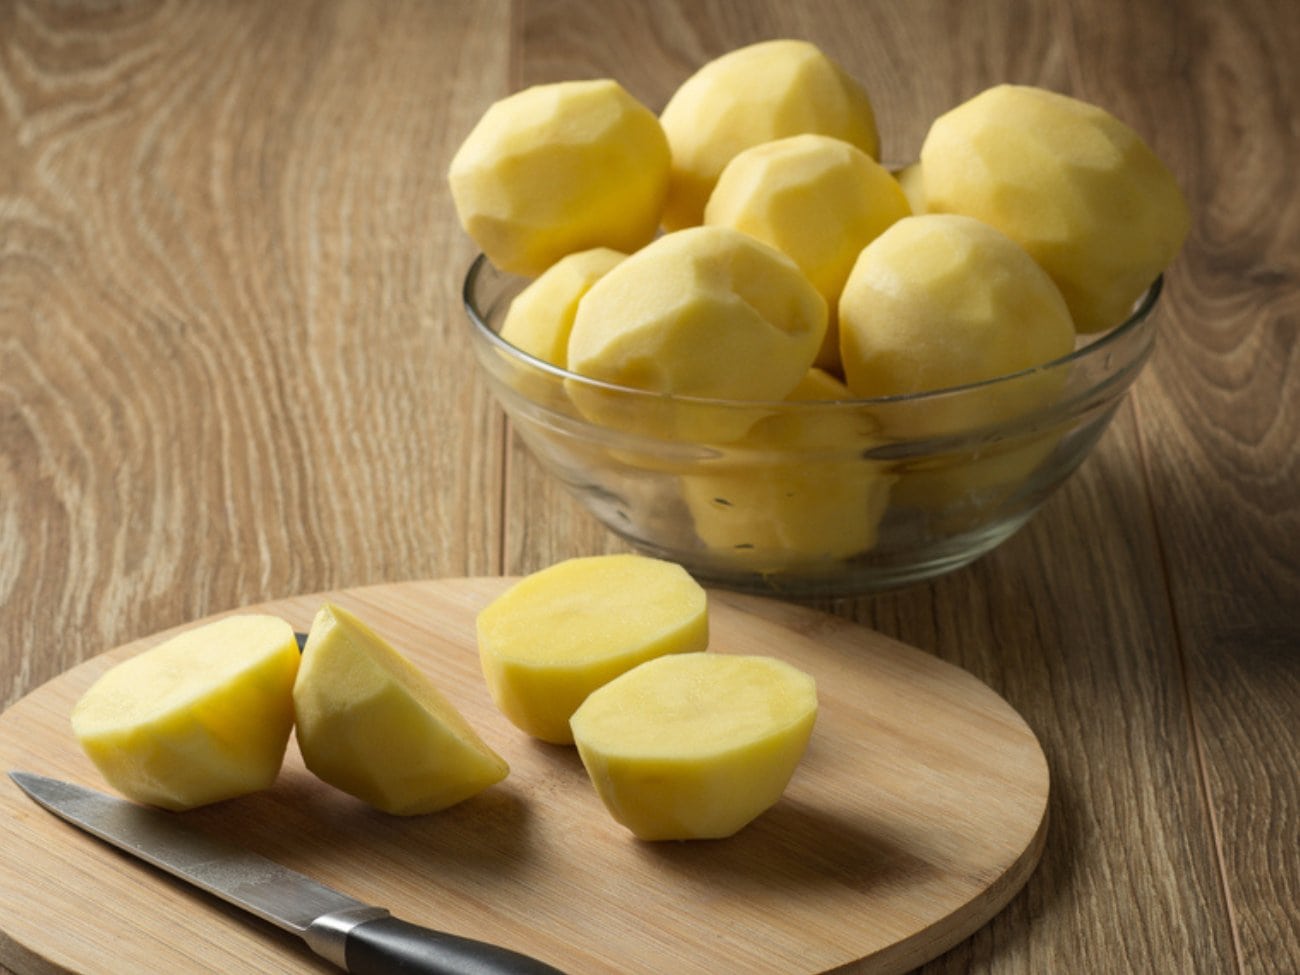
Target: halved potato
{"x":374,"y":725}
{"x":558,"y":634}
{"x":697,"y":745}
{"x":201,"y":717}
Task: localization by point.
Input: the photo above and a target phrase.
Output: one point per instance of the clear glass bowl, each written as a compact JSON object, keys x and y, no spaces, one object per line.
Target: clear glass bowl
{"x":804,"y":499}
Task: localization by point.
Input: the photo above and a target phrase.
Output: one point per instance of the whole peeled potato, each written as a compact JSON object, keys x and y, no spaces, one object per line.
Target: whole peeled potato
{"x":749,"y":96}
{"x":940,"y":301}
{"x":704,"y":313}
{"x":1073,"y":185}
{"x":560,"y":168}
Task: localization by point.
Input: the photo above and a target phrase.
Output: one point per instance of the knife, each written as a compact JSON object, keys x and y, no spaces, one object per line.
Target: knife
{"x":356,"y":936}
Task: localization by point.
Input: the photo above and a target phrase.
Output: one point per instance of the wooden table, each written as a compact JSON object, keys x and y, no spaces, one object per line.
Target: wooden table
{"x":233,"y":368}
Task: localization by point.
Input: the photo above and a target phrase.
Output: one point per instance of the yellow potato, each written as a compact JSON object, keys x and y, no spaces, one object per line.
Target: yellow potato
{"x":705,"y":312}
{"x":797,"y":490}
{"x":958,"y":488}
{"x":939,"y":301}
{"x":374,"y":725}
{"x":541,"y":316}
{"x":816,"y":199}
{"x":558,"y":634}
{"x":752,"y":95}
{"x":201,"y":717}
{"x":696,"y":746}
{"x":560,"y":168}
{"x":1069,"y":182}
{"x":788,"y":515}
{"x":912,"y":182}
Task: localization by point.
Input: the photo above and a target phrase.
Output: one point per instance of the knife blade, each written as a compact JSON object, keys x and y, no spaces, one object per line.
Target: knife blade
{"x":358,"y":937}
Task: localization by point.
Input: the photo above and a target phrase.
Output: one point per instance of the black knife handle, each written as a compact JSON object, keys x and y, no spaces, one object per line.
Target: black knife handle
{"x":389,"y":946}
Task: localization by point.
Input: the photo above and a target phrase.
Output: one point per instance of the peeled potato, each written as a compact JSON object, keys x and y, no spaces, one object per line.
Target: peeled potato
{"x":939,"y":301}
{"x":816,"y":199}
{"x":372,"y":724}
{"x":201,"y":717}
{"x":560,"y":168}
{"x":748,"y":96}
{"x":797,"y":490}
{"x":558,"y":634}
{"x":695,"y":746}
{"x":541,"y":316}
{"x":1069,"y":182}
{"x":912,"y":182}
{"x":707,"y":312}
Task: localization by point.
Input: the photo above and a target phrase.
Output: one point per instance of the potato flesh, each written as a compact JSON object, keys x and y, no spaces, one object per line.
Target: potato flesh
{"x":706,"y":312}
{"x":802,"y":495}
{"x":202,"y":717}
{"x":558,"y":634}
{"x":560,"y":168}
{"x":943,"y":300}
{"x":1069,"y":182}
{"x":749,"y":96}
{"x":779,"y":515}
{"x":695,"y":746}
{"x":541,"y":316}
{"x":816,"y":199}
{"x":372,"y":724}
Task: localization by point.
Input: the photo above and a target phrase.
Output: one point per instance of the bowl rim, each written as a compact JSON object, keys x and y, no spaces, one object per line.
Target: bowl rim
{"x":1102,"y":341}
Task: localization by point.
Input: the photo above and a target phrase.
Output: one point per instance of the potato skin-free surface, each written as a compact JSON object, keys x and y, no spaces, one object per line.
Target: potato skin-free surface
{"x":706,"y":312}
{"x":541,"y":316}
{"x":201,"y":717}
{"x":560,"y":168}
{"x":695,"y":746}
{"x":816,"y":199}
{"x":1076,"y":187}
{"x":748,"y":96}
{"x":943,"y":300}
{"x":374,"y":725}
{"x":801,"y":490}
{"x":560,"y":633}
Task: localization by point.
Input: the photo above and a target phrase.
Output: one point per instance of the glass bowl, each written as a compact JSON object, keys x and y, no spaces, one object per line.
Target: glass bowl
{"x":811,"y":498}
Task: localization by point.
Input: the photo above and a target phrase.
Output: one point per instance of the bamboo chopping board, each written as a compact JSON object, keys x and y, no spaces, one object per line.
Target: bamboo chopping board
{"x":918,"y":811}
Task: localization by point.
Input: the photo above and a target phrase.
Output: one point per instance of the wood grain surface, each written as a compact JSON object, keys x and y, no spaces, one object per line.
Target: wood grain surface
{"x":233,"y":369}
{"x":917,"y":811}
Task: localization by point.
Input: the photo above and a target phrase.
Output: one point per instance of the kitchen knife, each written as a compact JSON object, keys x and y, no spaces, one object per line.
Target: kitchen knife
{"x":356,"y":936}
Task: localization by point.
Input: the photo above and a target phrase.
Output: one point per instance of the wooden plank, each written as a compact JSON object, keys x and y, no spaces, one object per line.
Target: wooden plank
{"x":232,"y":341}
{"x":1096,"y":671}
{"x":1227,"y":409}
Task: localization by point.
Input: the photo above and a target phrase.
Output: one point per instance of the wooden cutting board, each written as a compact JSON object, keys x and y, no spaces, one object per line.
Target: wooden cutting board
{"x":918,"y":812}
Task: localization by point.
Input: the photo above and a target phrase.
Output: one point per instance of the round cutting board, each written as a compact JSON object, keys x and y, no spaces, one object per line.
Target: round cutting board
{"x":917,"y":813}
